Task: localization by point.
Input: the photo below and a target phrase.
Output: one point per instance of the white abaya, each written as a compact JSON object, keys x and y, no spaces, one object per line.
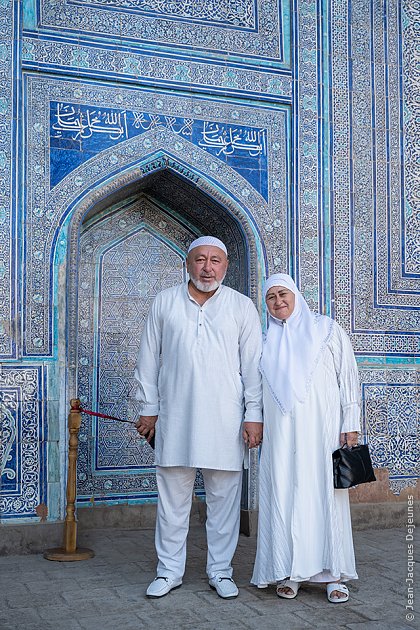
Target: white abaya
{"x":304,"y":529}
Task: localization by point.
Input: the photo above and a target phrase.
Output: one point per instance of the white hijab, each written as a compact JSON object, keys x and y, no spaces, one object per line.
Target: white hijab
{"x":292,"y":347}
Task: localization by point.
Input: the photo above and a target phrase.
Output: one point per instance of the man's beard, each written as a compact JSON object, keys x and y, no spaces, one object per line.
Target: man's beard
{"x":205,"y":287}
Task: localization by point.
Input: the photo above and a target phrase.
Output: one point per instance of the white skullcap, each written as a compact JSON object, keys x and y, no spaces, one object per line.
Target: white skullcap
{"x":208,"y":240}
{"x":280,"y":280}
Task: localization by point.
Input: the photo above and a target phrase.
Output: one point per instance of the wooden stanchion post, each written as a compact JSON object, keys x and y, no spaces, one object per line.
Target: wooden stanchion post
{"x":70,"y":552}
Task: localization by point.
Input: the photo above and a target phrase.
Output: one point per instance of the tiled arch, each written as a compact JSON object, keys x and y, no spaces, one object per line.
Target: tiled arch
{"x":160,"y":212}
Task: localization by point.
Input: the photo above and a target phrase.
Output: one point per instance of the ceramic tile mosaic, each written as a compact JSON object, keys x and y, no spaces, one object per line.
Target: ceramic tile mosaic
{"x":23,"y":441}
{"x":288,"y":129}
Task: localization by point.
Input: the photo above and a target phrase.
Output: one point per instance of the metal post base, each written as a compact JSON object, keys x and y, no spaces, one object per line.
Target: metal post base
{"x":61,"y":555}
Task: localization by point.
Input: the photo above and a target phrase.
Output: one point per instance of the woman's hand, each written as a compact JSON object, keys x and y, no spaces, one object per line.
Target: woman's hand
{"x":351,"y":439}
{"x":252,"y":433}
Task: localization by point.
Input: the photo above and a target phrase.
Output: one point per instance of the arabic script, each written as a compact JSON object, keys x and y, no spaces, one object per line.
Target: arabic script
{"x":82,"y":124}
{"x":226,"y":139}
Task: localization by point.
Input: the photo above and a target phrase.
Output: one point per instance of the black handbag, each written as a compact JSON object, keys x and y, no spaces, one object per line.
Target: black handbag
{"x":352,"y":466}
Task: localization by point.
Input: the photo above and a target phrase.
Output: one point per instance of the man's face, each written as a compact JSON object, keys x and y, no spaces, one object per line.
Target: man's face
{"x":207,"y":266}
{"x":280,"y":302}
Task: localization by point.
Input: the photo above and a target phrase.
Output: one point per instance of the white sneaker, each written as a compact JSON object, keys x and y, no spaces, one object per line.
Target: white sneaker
{"x":162,"y":585}
{"x":224,"y":585}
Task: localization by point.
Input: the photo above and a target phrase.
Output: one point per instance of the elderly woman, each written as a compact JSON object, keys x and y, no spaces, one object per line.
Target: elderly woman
{"x":311,"y":407}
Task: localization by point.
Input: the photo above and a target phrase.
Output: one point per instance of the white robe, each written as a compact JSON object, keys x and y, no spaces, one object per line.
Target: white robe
{"x":198,"y":370}
{"x":304,"y":528}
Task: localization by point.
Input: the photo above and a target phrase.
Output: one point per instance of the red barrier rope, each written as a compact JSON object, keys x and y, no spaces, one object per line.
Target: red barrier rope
{"x":102,"y":415}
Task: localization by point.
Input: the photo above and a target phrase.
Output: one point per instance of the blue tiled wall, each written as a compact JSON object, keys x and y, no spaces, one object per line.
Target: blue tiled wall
{"x":286,"y":128}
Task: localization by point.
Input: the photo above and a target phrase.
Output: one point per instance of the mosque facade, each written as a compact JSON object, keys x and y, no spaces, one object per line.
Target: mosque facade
{"x":288,"y":129}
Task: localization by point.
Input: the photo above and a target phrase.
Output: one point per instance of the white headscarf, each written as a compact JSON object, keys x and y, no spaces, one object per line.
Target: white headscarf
{"x":208,"y":240}
{"x":292,"y":347}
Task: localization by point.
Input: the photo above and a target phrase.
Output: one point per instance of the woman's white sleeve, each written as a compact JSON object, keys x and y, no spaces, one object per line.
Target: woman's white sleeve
{"x":348,"y":379}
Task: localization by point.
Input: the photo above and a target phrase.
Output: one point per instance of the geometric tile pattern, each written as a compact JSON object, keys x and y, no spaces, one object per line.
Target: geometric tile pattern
{"x":125,"y":64}
{"x":307,"y":253}
{"x":268,"y":220}
{"x":124,"y":264}
{"x":374,"y":299}
{"x":127,"y":254}
{"x":8,"y":240}
{"x":112,"y":465}
{"x":228,"y":12}
{"x":409,"y":56}
{"x":254,"y":31}
{"x":391,"y":423}
{"x":287,"y":129}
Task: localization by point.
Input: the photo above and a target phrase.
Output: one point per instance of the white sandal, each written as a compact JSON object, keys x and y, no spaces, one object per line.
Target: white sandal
{"x":294,"y":587}
{"x":341,"y":588}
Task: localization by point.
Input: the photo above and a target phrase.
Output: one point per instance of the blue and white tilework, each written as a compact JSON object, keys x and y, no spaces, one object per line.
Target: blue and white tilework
{"x":390,"y":423}
{"x":23,"y":441}
{"x":101,"y":144}
{"x":288,"y":129}
{"x":252,"y":32}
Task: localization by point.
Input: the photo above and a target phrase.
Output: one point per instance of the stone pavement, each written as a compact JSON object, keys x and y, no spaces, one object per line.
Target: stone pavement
{"x":108,"y":591}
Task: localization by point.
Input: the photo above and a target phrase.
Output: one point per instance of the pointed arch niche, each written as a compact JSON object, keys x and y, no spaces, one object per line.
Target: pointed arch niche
{"x":127,"y":242}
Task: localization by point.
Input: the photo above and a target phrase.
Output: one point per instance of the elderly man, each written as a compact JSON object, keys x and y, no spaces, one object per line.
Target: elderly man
{"x":200,"y":390}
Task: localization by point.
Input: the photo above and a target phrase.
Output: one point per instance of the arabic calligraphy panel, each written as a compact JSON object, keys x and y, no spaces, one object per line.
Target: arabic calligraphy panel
{"x":78,"y":132}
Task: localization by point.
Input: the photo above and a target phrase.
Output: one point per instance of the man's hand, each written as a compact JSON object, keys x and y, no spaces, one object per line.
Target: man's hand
{"x":351,"y":439}
{"x":252,"y":433}
{"x":145,"y":426}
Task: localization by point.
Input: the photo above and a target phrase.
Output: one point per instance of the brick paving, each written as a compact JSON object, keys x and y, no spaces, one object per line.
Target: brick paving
{"x":108,"y":591}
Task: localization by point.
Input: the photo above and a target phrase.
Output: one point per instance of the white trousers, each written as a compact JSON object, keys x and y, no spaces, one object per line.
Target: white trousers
{"x":223,"y":499}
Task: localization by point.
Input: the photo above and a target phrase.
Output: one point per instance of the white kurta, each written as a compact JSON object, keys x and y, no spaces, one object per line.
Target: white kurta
{"x":197,"y":369}
{"x":304,"y":529}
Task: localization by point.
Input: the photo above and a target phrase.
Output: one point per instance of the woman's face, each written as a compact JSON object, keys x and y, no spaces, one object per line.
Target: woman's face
{"x":280,"y":302}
